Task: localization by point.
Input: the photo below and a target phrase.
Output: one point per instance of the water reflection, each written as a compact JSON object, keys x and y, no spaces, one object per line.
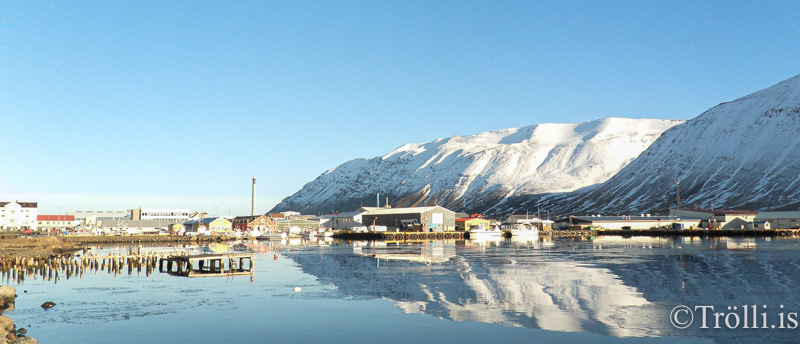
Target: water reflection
{"x":611,"y":286}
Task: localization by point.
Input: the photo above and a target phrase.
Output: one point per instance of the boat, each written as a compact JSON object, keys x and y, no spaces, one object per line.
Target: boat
{"x":480,"y":232}
{"x":524,"y":231}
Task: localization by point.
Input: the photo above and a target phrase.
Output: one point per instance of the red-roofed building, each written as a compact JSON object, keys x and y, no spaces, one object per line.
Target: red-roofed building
{"x":55,"y":221}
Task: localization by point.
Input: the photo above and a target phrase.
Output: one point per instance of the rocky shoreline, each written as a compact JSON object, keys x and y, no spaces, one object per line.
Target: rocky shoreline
{"x":9,"y":334}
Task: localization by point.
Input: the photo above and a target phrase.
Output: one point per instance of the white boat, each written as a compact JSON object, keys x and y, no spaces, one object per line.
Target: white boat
{"x":524,"y":231}
{"x":481,"y":232}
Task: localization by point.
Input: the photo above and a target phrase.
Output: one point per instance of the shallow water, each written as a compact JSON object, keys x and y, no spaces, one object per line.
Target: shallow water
{"x":600,"y":290}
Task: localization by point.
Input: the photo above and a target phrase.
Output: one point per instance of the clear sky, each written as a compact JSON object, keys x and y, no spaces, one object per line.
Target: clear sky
{"x":108,"y":105}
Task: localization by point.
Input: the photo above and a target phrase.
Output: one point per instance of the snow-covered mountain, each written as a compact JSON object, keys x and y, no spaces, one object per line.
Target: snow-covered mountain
{"x":474,"y":173}
{"x":741,"y":154}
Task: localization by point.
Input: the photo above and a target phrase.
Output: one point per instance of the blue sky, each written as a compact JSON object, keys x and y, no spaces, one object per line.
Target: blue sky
{"x":109,"y":105}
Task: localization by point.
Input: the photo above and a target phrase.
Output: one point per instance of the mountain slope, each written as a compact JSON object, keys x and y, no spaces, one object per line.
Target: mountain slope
{"x":740,"y":154}
{"x":474,"y":173}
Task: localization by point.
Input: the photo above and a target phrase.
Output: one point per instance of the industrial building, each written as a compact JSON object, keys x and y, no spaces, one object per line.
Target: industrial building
{"x":428,"y":219}
{"x":626,"y":222}
{"x":93,"y":217}
{"x":346,"y":220}
{"x":777,"y":220}
{"x":177,"y":215}
{"x":719,"y":219}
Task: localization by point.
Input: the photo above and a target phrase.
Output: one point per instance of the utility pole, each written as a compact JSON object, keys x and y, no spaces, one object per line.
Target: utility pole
{"x":538,"y":208}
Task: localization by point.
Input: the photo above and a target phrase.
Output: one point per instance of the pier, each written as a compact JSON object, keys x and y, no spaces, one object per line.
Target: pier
{"x":401,"y":236}
{"x":208,"y":265}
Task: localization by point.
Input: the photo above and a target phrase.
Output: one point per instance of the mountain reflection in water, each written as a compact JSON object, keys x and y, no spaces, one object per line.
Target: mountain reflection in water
{"x":609,"y":286}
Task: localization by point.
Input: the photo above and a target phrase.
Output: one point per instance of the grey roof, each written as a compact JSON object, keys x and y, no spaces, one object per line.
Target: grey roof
{"x":349,"y":214}
{"x":778,"y":215}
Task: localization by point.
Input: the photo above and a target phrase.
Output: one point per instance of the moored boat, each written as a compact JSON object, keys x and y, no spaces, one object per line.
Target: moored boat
{"x":481,"y":232}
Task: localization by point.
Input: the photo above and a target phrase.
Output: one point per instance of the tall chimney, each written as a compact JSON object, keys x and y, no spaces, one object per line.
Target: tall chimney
{"x":253,"y":201}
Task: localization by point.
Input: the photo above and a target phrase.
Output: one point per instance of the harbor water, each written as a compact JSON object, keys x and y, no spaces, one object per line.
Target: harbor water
{"x":599,"y":290}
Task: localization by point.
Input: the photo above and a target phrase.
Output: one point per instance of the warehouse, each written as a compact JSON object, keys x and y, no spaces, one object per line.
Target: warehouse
{"x":626,"y":222}
{"x":428,"y":219}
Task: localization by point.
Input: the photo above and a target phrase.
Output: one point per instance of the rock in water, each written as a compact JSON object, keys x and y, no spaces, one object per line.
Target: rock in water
{"x":48,"y":305}
{"x":25,"y":340}
{"x":7,"y":297}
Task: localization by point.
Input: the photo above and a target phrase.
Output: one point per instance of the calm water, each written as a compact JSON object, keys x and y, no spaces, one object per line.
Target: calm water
{"x":603,"y":290}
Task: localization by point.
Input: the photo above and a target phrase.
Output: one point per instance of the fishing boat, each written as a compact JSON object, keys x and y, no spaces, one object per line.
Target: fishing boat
{"x":524,"y":231}
{"x":479,"y":232}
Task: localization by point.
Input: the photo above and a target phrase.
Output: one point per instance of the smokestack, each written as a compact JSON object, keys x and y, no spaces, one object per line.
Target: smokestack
{"x":253,"y":201}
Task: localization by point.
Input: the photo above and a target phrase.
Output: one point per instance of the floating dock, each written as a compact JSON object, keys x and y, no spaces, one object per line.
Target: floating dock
{"x":208,"y":265}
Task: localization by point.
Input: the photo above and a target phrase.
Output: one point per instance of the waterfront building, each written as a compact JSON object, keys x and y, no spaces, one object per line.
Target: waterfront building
{"x":465,"y":223}
{"x":285,"y":223}
{"x":626,"y":222}
{"x":177,"y":215}
{"x":777,"y":220}
{"x":214,"y":225}
{"x":346,"y":220}
{"x":45,"y":222}
{"x":248,"y":223}
{"x":718,"y":219}
{"x":18,"y":215}
{"x":239,"y":223}
{"x":435,"y":218}
{"x":262,"y":224}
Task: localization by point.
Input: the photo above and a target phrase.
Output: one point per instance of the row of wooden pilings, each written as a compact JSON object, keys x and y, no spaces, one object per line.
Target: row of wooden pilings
{"x":17,"y":269}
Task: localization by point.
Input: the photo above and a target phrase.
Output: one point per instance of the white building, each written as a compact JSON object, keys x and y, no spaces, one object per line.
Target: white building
{"x":176,"y":215}
{"x":18,"y":215}
{"x":719,"y":219}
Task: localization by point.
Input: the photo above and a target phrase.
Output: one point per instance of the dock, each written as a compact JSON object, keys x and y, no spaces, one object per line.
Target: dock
{"x":400,"y":236}
{"x":208,"y":265}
